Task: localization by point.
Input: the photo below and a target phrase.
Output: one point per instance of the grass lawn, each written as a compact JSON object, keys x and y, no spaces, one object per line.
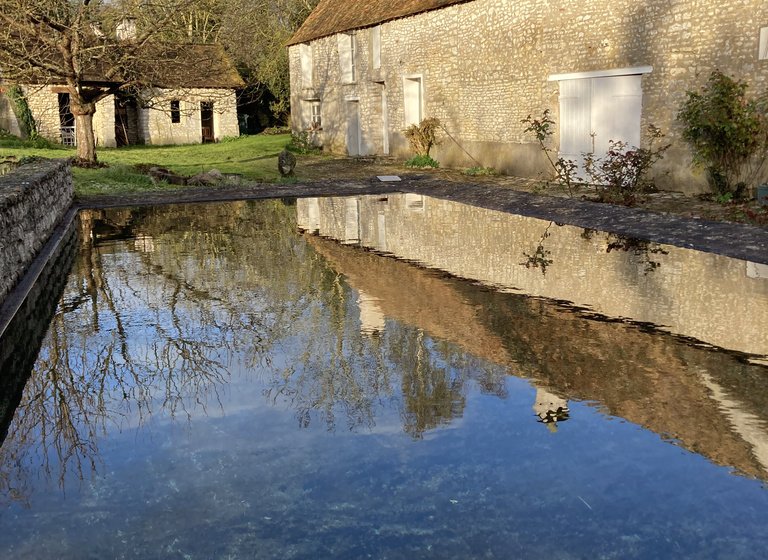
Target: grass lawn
{"x":254,"y":157}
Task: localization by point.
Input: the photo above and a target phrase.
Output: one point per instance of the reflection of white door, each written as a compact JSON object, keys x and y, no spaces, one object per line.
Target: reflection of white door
{"x":353,"y":128}
{"x":413,"y":100}
{"x":596,"y":110}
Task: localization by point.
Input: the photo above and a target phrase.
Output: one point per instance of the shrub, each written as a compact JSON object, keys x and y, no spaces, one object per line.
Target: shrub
{"x":422,"y":161}
{"x":423,"y":136}
{"x":725,"y":131}
{"x":301,"y":143}
{"x":478,"y":171}
{"x":566,"y":170}
{"x":22,"y":111}
{"x":621,"y":175}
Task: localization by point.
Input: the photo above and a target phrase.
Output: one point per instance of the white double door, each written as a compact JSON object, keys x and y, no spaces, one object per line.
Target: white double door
{"x":594,"y":111}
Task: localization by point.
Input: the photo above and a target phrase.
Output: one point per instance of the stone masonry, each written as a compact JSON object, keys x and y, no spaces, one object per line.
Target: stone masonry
{"x":32,"y":201}
{"x":153,"y":124}
{"x":485,"y":65}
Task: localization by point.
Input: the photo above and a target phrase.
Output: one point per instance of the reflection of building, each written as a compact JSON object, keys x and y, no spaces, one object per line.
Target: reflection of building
{"x":654,"y":380}
{"x":550,"y":409}
{"x":372,"y":318}
{"x":699,"y":295}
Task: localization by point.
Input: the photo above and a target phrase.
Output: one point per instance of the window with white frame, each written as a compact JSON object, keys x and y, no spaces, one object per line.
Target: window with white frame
{"x":763,"y":50}
{"x":347,"y":54}
{"x":376,"y":47}
{"x":315,"y":117}
{"x":305,"y":53}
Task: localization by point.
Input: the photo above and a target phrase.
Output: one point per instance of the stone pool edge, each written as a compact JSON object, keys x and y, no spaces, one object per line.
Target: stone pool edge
{"x":740,"y":241}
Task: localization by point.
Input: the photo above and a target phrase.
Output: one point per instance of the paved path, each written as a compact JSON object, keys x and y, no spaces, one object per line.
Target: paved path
{"x":725,"y":238}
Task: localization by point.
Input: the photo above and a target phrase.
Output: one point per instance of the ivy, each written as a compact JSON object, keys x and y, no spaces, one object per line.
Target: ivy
{"x":22,"y":112}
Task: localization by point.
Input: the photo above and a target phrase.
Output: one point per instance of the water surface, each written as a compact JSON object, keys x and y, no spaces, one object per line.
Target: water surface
{"x":216,"y":384}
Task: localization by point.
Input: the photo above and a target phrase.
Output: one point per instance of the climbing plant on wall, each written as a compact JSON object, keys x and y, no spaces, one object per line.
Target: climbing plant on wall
{"x":22,"y":112}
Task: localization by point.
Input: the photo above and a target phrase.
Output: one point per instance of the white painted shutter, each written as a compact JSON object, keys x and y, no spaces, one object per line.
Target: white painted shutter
{"x":305,"y":51}
{"x":616,"y":108}
{"x":345,"y":57}
{"x":575,"y":119}
{"x":376,"y":47}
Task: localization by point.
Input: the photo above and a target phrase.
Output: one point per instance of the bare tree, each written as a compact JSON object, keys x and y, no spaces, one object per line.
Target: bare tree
{"x":255,"y":32}
{"x":92,"y":48}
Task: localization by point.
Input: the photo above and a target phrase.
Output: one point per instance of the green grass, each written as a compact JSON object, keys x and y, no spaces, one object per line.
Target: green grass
{"x":253,"y":157}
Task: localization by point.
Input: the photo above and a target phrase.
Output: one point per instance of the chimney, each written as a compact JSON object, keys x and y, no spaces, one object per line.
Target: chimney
{"x":126,"y":29}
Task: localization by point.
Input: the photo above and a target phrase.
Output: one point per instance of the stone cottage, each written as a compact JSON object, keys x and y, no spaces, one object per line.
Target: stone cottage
{"x":363,"y":70}
{"x":184,"y":106}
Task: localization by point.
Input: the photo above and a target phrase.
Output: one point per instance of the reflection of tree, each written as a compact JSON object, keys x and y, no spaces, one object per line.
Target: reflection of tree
{"x":147,"y":331}
{"x":641,"y":249}
{"x":431,"y":395}
{"x":339,"y":371}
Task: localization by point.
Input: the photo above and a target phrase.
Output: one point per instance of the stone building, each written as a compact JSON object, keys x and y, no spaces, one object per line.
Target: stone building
{"x":184,"y":107}
{"x":363,"y":71}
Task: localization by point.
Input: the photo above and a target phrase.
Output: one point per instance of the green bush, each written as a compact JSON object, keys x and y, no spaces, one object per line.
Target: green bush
{"x":422,"y":161}
{"x":478,"y":171}
{"x":726,"y":131}
{"x":301,"y":143}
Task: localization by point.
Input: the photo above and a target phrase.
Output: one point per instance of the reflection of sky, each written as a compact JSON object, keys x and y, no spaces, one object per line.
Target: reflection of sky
{"x":249,"y":483}
{"x":296,"y":448}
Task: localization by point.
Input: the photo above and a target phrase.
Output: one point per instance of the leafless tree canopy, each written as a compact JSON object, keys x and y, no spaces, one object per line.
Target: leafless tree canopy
{"x":95,"y":48}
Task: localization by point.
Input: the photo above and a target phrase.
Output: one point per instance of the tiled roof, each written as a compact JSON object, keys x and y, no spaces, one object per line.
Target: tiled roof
{"x":335,"y":16}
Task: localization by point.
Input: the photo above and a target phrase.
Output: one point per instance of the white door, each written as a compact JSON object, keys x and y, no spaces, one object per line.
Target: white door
{"x":353,"y":128}
{"x":384,"y":121}
{"x":594,"y":111}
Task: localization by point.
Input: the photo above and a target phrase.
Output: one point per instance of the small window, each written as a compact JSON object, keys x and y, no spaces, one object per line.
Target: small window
{"x":376,"y":47}
{"x":763,"y":52}
{"x":175,"y":111}
{"x":316,"y":120}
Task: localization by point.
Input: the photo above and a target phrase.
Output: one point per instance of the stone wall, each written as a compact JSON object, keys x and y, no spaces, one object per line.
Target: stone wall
{"x":32,"y":201}
{"x":485,"y":65}
{"x":20,"y":343}
{"x":43,"y":102}
{"x":155,"y":124}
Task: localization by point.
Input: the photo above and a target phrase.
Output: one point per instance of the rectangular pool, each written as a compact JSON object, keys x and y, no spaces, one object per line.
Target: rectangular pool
{"x":383,"y":377}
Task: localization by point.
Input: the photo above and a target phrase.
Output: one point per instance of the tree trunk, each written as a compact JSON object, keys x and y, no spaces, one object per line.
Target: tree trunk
{"x":86,"y":141}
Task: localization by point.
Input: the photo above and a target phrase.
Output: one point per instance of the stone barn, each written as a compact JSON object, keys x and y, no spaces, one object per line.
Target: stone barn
{"x":361,"y":71}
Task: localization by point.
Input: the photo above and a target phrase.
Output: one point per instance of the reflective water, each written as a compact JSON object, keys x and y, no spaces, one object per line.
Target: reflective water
{"x":214,"y":384}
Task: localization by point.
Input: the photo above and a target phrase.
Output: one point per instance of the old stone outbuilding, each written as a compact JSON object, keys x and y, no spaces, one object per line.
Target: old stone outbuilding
{"x":194,"y":100}
{"x":363,"y":70}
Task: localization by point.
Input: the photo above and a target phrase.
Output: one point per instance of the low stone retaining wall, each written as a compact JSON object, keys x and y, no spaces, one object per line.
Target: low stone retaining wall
{"x":33,"y":199}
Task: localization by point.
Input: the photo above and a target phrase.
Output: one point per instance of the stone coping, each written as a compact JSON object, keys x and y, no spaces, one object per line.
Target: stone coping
{"x":730,"y":239}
